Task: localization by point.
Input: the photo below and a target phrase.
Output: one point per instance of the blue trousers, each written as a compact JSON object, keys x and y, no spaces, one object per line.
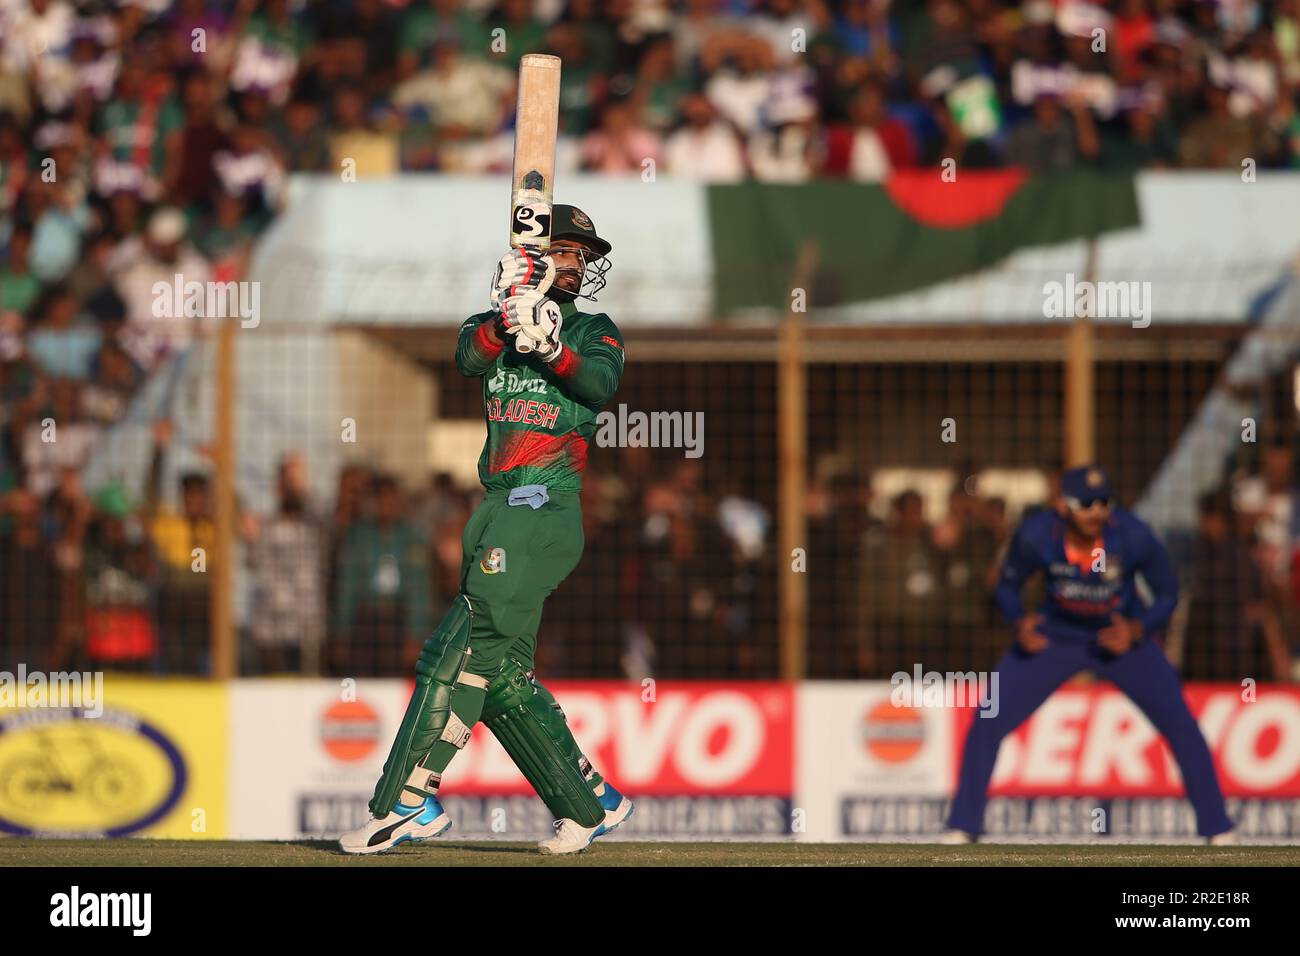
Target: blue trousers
{"x":1026,"y":680}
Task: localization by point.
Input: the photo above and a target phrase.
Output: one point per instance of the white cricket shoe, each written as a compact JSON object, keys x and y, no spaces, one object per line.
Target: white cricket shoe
{"x":406,"y":824}
{"x":956,"y":838}
{"x":1226,"y":838}
{"x":570,"y":837}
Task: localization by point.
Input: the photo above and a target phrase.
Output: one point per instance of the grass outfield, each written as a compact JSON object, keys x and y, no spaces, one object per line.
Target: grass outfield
{"x":17,"y":852}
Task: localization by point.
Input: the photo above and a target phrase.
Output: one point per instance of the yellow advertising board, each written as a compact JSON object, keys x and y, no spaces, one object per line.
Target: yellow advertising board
{"x":147,"y":759}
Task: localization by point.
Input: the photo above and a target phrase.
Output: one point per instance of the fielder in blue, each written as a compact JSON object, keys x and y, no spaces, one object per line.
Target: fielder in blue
{"x":1092,"y":618}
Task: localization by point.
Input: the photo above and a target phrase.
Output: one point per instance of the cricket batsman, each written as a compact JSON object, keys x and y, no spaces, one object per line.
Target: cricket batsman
{"x":546,"y":370}
{"x":1092,"y":618}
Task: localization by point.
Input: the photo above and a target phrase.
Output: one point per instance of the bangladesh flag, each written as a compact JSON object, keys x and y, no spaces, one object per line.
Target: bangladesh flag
{"x":911,"y":231}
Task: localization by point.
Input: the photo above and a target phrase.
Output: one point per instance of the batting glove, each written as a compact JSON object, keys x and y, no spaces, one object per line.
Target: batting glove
{"x":535,"y":322}
{"x":521,"y":271}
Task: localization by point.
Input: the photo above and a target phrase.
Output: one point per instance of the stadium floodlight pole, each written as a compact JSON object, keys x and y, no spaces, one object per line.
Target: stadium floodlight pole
{"x":1080,"y":379}
{"x":792,"y":449}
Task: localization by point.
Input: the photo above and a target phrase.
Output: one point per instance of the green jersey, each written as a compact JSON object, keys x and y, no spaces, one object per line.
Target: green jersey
{"x":540,"y":417}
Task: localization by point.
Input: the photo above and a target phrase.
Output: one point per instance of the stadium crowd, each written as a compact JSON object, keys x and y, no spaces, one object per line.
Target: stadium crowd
{"x":144,"y":138}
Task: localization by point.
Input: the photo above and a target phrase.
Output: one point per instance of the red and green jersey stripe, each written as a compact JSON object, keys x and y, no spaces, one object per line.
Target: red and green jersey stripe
{"x":540,"y":417}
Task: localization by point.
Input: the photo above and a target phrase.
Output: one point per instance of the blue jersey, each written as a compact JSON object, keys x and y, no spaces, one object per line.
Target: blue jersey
{"x":1080,"y":600}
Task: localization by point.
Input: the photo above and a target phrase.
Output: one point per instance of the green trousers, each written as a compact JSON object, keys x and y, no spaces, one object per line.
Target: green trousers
{"x":513,"y":557}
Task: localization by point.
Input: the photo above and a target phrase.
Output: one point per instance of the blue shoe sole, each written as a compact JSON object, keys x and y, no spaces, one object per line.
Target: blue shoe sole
{"x":604,"y":830}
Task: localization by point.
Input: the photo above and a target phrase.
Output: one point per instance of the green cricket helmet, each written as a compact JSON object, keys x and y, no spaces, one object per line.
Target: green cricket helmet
{"x":570,"y":222}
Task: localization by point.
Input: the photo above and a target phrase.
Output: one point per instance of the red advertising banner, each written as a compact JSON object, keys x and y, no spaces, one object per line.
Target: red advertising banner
{"x":671,"y":738}
{"x":1094,"y":741}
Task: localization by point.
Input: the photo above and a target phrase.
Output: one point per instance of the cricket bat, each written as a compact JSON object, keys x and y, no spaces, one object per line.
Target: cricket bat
{"x":532,"y":184}
{"x":537,"y":119}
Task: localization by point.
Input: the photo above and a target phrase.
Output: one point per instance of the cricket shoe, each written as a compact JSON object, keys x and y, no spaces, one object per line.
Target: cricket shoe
{"x":570,"y":837}
{"x":957,"y":838}
{"x":406,"y":824}
{"x":1226,"y":838}
{"x":617,"y":807}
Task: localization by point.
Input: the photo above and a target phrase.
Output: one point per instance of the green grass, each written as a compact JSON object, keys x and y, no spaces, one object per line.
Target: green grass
{"x":16,"y":852}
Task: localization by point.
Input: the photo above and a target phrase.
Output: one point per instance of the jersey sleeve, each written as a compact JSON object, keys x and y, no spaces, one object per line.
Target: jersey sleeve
{"x":1019,"y":565}
{"x":1158,"y":572}
{"x":476,"y":350}
{"x":592,"y":370}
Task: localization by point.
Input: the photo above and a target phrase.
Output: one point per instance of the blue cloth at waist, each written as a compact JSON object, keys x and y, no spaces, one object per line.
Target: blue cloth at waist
{"x":532,"y":495}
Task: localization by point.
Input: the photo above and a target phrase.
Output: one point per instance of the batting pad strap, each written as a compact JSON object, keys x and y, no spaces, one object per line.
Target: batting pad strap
{"x":473,"y":680}
{"x":456,"y":732}
{"x":423,"y":782}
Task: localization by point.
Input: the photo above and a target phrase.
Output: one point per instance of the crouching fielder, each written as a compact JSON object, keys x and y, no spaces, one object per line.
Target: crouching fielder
{"x":546,"y":370}
{"x":1092,"y":618}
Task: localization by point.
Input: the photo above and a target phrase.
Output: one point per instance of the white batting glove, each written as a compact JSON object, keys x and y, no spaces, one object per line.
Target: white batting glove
{"x":520,"y":271}
{"x":535,"y":322}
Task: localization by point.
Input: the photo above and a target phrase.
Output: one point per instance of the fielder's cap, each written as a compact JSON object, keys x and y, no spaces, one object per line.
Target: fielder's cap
{"x":1086,"y":484}
{"x":570,"y":222}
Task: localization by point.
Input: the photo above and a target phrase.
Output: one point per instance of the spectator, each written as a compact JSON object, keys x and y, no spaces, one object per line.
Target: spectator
{"x":205,"y":133}
{"x":1231,"y":632}
{"x":58,"y":437}
{"x":350,"y":508}
{"x":225,"y":238}
{"x":114,"y":377}
{"x":968,"y":548}
{"x":250,"y":169}
{"x":19,"y":288}
{"x":659,"y":87}
{"x":583,"y":87}
{"x":30,"y":585}
{"x":63,"y":343}
{"x":621,"y":146}
{"x":1218,"y":139}
{"x":141,"y":124}
{"x":459,"y":95}
{"x":120,"y":580}
{"x":901,"y":593}
{"x":267,"y":57}
{"x":384,"y":609}
{"x":1144,"y":142}
{"x":425,"y":23}
{"x":286,"y":555}
{"x":1055,"y":137}
{"x":166,"y":256}
{"x":841,"y":529}
{"x":303,"y":144}
{"x":59,"y":217}
{"x":358,"y":145}
{"x":705,"y":147}
{"x":872,"y":144}
{"x":184,"y":542}
{"x":740,"y":80}
{"x":517,"y":22}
